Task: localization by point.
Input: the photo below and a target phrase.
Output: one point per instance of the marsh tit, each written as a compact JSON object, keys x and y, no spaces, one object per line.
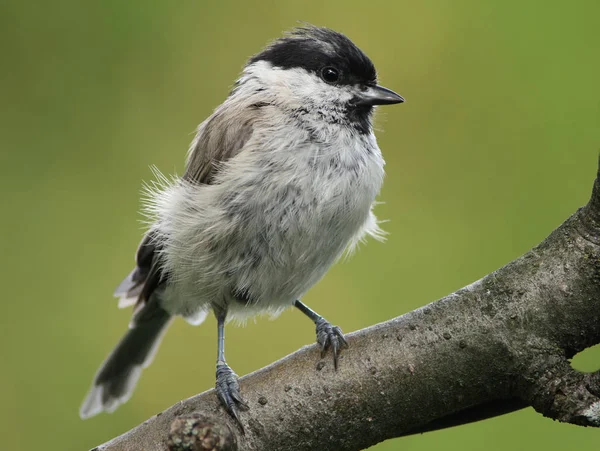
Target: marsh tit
{"x":279,"y":181}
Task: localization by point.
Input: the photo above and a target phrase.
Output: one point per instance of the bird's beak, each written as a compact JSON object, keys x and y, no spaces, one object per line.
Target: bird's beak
{"x":377,"y":95}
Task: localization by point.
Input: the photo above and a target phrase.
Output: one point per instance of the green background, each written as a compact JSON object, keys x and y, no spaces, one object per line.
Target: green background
{"x":496,"y":145}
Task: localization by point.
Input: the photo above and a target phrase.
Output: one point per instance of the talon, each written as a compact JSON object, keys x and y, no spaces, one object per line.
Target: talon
{"x":228,"y":392}
{"x":340,"y":336}
{"x":324,"y":345}
{"x":335,"y":350}
{"x":329,"y":336}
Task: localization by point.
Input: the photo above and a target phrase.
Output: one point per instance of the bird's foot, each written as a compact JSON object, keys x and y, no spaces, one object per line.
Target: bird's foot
{"x":228,"y":391}
{"x":329,"y":336}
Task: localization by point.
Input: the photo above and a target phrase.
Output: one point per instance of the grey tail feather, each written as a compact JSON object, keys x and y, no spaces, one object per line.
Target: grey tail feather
{"x":121,"y":370}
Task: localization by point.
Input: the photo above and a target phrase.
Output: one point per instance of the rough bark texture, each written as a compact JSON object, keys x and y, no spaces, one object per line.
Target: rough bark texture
{"x":497,"y":345}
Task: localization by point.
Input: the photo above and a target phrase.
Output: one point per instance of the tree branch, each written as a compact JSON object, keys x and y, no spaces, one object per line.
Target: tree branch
{"x":497,"y":345}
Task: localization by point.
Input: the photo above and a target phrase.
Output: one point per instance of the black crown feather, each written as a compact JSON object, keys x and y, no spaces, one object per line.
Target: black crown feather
{"x":314,"y":48}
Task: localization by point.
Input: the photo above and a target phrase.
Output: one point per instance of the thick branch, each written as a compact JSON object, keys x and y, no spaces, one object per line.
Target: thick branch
{"x":497,"y":345}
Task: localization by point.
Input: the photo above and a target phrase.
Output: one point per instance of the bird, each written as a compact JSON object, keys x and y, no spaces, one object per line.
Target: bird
{"x":280,"y":180}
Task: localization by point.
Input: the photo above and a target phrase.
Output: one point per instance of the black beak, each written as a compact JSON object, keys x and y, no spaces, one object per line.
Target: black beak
{"x":377,"y":95}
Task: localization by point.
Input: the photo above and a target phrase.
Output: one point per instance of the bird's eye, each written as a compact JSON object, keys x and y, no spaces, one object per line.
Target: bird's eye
{"x":330,"y":74}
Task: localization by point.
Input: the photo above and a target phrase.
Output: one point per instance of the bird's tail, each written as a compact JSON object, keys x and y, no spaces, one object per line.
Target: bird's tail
{"x":119,"y":373}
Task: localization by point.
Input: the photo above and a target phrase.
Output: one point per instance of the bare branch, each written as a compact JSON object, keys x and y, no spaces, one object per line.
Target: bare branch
{"x":497,"y":345}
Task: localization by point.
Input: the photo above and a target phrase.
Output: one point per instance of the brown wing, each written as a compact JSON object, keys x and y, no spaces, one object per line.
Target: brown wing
{"x":219,"y":138}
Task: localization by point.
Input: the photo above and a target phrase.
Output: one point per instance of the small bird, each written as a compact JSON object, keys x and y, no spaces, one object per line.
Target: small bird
{"x":279,"y":181}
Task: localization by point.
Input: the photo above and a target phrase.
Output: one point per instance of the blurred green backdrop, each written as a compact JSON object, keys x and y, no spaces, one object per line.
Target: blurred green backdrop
{"x":496,"y":146}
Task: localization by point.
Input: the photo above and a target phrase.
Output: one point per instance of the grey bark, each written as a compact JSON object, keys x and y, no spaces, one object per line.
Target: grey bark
{"x":497,"y":345}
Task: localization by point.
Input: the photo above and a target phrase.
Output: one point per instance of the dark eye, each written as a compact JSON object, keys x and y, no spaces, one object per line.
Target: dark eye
{"x":330,"y":74}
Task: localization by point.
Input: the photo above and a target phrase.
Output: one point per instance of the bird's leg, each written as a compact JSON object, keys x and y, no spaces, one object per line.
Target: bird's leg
{"x":328,"y":336}
{"x":227,"y":387}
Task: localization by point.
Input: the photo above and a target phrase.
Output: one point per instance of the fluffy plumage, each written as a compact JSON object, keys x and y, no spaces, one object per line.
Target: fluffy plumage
{"x":279,"y":180}
{"x":279,"y":211}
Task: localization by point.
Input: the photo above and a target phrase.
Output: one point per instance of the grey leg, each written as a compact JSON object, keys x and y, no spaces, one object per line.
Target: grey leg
{"x":328,"y":336}
{"x":227,"y":387}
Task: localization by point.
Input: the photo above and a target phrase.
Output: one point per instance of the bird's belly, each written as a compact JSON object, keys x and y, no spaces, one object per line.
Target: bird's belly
{"x":262,"y":242}
{"x":281,"y":252}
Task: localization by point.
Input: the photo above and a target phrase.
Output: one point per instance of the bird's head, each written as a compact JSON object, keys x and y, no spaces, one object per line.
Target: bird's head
{"x":320,"y":72}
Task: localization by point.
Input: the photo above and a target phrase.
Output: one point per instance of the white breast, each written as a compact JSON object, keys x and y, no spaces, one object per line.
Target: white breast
{"x":273,"y":223}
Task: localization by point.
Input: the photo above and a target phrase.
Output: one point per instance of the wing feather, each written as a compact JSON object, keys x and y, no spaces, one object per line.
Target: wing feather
{"x":218,"y":139}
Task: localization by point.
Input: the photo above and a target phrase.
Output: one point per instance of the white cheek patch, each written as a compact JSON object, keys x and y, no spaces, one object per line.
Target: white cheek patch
{"x":297,"y":87}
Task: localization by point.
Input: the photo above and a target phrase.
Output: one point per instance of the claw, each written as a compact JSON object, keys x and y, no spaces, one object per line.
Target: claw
{"x":329,"y":336}
{"x":228,"y":392}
